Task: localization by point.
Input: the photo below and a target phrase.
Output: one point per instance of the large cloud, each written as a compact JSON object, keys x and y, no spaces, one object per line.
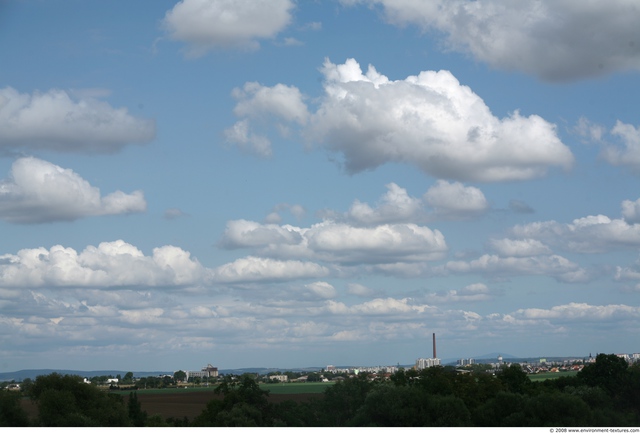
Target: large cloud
{"x":447,"y":201}
{"x":429,"y":120}
{"x":338,"y":242}
{"x":253,"y":269}
{"x":550,"y":265}
{"x":110,"y":264}
{"x":56,"y":121}
{"x":552,"y":39}
{"x":38,"y":191}
{"x":591,"y":234}
{"x":207,"y":24}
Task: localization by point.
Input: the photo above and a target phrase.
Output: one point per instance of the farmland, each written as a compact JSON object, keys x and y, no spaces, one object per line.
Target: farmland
{"x":190,"y":402}
{"x":544,"y":376}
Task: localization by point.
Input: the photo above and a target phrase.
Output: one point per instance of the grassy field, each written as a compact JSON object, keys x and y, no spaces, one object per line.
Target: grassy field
{"x":544,"y":376}
{"x":297,"y":388}
{"x":274,"y":388}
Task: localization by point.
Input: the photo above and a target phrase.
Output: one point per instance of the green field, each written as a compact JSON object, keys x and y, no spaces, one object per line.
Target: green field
{"x":544,"y":376}
{"x":274,"y":388}
{"x":165,"y":390}
{"x":297,"y":388}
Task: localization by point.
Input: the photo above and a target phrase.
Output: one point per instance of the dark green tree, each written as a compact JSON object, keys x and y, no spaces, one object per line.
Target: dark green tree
{"x":65,"y":401}
{"x":609,"y":372}
{"x":128,"y":378}
{"x":179,"y":376}
{"x":514,"y":379}
{"x":314,"y":377}
{"x":137,"y":416}
{"x":11,"y":412}
{"x":342,"y":400}
{"x":244,"y":404}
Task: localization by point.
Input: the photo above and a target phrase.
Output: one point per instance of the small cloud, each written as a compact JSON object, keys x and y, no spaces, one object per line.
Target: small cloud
{"x":322,"y":289}
{"x":206,"y":25}
{"x":174,"y":213}
{"x":292,"y":42}
{"x":519,"y":206}
{"x":314,"y":26}
{"x":359,"y":290}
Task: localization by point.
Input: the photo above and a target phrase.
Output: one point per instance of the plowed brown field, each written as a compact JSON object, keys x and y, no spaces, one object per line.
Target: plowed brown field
{"x":179,"y":405}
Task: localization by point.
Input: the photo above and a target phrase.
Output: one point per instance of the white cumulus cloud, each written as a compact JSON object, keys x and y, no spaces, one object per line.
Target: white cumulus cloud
{"x":56,"y":121}
{"x":395,"y":206}
{"x":554,"y":266}
{"x":252,"y":269}
{"x":629,"y":154}
{"x":110,"y":264}
{"x":519,"y":247}
{"x":555,"y":40}
{"x":590,"y":234}
{"x":337,"y":242}
{"x":209,"y":24}
{"x":429,"y":120}
{"x":38,"y":191}
{"x":455,"y":199}
{"x":432,"y":121}
{"x":322,"y":289}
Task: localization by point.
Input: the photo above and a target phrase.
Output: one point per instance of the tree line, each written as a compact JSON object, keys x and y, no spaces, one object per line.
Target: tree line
{"x":605,"y":393}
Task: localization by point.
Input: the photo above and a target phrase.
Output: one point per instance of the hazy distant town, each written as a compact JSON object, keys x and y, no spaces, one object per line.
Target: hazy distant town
{"x":210,"y":374}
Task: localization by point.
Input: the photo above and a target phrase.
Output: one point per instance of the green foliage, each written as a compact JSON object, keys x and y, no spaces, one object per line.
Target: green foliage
{"x":179,"y":376}
{"x":11,"y":412}
{"x":128,"y":378}
{"x":404,"y":406}
{"x":609,"y":372}
{"x":514,"y":379}
{"x":506,"y":409}
{"x":137,"y":416}
{"x":342,"y":400}
{"x":65,"y":401}
{"x":314,"y":377}
{"x":557,"y":409}
{"x":244,"y":404}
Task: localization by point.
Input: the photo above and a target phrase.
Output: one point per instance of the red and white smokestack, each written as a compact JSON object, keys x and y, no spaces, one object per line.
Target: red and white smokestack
{"x":434,"y":346}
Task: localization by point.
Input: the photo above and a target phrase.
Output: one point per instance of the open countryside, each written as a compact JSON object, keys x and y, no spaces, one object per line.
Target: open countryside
{"x":605,"y":392}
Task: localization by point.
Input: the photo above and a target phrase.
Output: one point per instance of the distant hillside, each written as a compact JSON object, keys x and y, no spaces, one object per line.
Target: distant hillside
{"x":19,"y":376}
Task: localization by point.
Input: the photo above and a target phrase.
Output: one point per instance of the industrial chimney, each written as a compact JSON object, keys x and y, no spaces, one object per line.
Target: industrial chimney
{"x":434,"y":346}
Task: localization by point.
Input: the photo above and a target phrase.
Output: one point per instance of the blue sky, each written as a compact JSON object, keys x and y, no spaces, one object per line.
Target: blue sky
{"x":288,"y":184}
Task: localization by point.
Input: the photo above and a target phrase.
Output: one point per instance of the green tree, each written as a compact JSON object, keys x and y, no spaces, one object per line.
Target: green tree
{"x":609,"y":372}
{"x":128,"y":378}
{"x":11,"y":412}
{"x":514,"y":379}
{"x":65,"y":401}
{"x":314,"y":377}
{"x":410,"y":406}
{"x":244,"y":404}
{"x":342,"y":400}
{"x":137,"y":416}
{"x":179,"y":376}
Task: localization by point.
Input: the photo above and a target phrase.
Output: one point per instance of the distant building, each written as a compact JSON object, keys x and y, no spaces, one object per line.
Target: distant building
{"x":280,"y":377}
{"x":205,"y":372}
{"x":423,"y":363}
